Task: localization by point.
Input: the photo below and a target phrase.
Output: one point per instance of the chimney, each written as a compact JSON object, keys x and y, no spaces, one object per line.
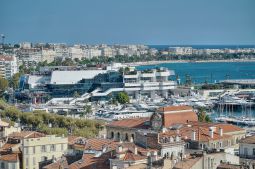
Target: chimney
{"x":193,"y":135}
{"x":120,"y":149}
{"x":131,"y":140}
{"x":211,"y":132}
{"x":135,"y":150}
{"x":221,"y":132}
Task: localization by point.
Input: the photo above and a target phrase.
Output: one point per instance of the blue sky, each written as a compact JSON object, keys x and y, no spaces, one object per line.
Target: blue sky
{"x":170,"y":22}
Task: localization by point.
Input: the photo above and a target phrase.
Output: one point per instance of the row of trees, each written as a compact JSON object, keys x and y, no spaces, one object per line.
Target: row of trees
{"x":144,"y":58}
{"x":51,"y":123}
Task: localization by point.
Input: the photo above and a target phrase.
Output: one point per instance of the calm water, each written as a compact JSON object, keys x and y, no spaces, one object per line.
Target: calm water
{"x":210,"y":72}
{"x":200,"y":72}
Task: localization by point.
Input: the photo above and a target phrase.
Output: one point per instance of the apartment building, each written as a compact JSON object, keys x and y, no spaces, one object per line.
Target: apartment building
{"x":41,"y":150}
{"x":8,"y":66}
{"x":247,"y":151}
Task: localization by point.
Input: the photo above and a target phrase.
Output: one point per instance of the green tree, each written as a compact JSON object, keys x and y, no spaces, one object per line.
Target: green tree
{"x":14,"y":81}
{"x":3,"y":86}
{"x":87,"y":110}
{"x":202,"y":116}
{"x":122,"y":97}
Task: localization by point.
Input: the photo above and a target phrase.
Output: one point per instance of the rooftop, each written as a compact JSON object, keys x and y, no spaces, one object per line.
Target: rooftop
{"x":72,"y":77}
{"x":26,"y":134}
{"x":130,"y":123}
{"x":175,"y":108}
{"x":9,"y":157}
{"x":248,"y":140}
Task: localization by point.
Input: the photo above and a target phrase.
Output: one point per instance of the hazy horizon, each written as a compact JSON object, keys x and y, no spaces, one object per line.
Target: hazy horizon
{"x":173,"y":22}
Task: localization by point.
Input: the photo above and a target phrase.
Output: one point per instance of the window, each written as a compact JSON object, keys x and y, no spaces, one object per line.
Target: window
{"x":33,"y":150}
{"x":44,"y":158}
{"x":34,"y":161}
{"x":253,"y":150}
{"x":52,"y":147}
{"x":2,"y":165}
{"x":13,"y":166}
{"x":26,"y":161}
{"x":43,"y":148}
{"x":62,"y":147}
{"x":26,"y":150}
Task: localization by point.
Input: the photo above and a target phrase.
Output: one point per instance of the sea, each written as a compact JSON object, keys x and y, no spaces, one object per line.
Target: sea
{"x":211,"y":72}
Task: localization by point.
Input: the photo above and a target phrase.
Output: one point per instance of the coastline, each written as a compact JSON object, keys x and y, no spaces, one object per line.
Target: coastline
{"x":186,"y":61}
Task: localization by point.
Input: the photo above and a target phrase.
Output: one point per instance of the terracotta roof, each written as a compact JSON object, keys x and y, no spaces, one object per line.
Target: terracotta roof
{"x":202,"y":131}
{"x":88,"y":161}
{"x":174,"y":108}
{"x":227,"y":128}
{"x":7,"y":146}
{"x":9,"y":157}
{"x":130,"y":123}
{"x":228,"y":166}
{"x":129,"y":145}
{"x":98,"y":143}
{"x":248,"y":140}
{"x":26,"y":134}
{"x":170,"y":119}
{"x":58,"y":164}
{"x":187,"y":163}
{"x":72,"y":139}
{"x":130,"y":156}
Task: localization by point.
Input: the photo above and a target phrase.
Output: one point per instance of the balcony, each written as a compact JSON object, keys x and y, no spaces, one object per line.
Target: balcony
{"x":131,"y":76}
{"x":168,"y":83}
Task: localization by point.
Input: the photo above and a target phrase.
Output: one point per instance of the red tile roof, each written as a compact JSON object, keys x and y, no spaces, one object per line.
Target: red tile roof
{"x":7,"y":147}
{"x":130,"y":123}
{"x":99,"y":143}
{"x":9,"y":157}
{"x":62,"y":163}
{"x":175,"y":108}
{"x":130,"y":156}
{"x":202,"y":131}
{"x":26,"y":134}
{"x":248,"y":140}
{"x":170,"y":119}
{"x":88,"y":161}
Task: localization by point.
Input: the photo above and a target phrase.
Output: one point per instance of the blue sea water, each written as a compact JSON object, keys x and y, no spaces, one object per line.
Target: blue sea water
{"x":210,"y":72}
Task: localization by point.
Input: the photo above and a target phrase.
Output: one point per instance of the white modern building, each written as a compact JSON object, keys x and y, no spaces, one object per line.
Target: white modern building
{"x":8,"y":66}
{"x":149,"y":82}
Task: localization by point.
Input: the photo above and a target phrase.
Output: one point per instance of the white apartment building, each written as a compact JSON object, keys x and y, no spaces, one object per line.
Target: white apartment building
{"x":48,"y":55}
{"x":76,"y":52}
{"x":8,"y":66}
{"x":36,"y":151}
{"x":108,"y":52}
{"x":247,"y":151}
{"x":26,"y":45}
{"x":149,"y":82}
{"x":29,"y":57}
{"x":180,"y":50}
{"x":90,"y":53}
